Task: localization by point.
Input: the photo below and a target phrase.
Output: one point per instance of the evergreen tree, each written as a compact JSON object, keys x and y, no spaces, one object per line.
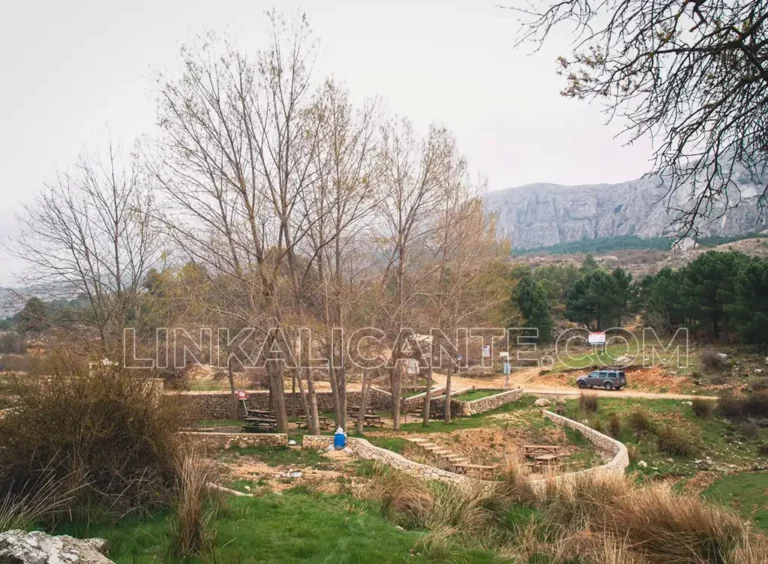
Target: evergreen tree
{"x":708,"y":288}
{"x":749,"y":309}
{"x":589,"y":265}
{"x":595,"y":300}
{"x":661,"y":299}
{"x":532,"y":301}
{"x":34,"y":317}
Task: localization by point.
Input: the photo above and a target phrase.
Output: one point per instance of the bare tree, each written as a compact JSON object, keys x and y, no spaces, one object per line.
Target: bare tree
{"x":692,"y":74}
{"x":239,"y":139}
{"x":340,"y":205}
{"x":91,"y":233}
{"x":413,"y":175}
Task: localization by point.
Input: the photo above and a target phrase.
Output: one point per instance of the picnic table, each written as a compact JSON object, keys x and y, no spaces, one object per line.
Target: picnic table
{"x":536,"y":450}
{"x":545,"y":463}
{"x":354,"y":409}
{"x":368,"y":419}
{"x":325,"y":423}
{"x":253,"y":423}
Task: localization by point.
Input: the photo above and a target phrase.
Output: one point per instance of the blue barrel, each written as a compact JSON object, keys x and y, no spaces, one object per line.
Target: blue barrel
{"x":339,"y":439}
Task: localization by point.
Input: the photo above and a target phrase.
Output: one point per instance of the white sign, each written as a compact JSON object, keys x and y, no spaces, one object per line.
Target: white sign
{"x":597,"y":338}
{"x":504,"y":354}
{"x":486,"y":351}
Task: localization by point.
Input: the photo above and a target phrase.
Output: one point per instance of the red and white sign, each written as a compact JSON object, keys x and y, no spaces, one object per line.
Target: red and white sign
{"x":241,"y":395}
{"x":597,"y":338}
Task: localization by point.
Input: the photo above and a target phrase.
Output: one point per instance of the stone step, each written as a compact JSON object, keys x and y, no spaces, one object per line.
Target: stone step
{"x":418,"y":440}
{"x":441,"y":452}
{"x":429,"y":446}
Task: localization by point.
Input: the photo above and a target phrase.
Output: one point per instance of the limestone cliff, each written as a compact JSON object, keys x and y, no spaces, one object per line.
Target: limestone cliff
{"x":538,"y":215}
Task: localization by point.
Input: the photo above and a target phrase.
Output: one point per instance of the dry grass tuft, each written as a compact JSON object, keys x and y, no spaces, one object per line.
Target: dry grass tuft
{"x":702,"y":407}
{"x":588,"y":403}
{"x":190,"y":532}
{"x":405,"y":499}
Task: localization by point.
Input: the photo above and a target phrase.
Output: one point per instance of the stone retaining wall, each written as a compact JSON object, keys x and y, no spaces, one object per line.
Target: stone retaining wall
{"x":489,"y":403}
{"x":608,"y":446}
{"x":218,"y":405}
{"x":365,"y":450}
{"x":362,"y":448}
{"x":227,"y":440}
{"x":466,"y":408}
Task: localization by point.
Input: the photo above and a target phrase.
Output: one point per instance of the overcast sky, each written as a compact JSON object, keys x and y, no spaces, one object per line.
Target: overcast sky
{"x":71,"y":69}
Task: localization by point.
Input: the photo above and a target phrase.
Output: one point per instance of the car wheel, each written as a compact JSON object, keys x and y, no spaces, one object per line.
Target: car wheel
{"x":608,"y":386}
{"x":581,"y":385}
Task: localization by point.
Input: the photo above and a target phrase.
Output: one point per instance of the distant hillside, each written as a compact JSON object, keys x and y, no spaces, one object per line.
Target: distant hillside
{"x":543,"y":215}
{"x":630,"y":243}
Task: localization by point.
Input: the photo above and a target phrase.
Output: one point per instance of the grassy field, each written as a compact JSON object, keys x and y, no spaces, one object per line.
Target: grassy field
{"x":746,"y":492}
{"x":296,"y":526}
{"x":727,"y":445}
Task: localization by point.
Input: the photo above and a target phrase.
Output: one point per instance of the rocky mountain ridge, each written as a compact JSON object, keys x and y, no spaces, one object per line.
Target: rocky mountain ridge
{"x":539,"y":215}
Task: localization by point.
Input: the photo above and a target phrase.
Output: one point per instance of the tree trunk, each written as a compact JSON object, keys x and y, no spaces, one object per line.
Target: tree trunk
{"x":363,"y":402}
{"x":275,"y":375}
{"x":313,"y":415}
{"x":232,"y":387}
{"x":428,"y":395}
{"x":447,"y":407}
{"x":305,"y":404}
{"x":334,"y":382}
{"x":395,"y":385}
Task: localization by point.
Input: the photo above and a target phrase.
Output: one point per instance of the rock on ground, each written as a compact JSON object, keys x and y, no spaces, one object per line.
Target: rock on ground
{"x":542,"y":402}
{"x":21,"y":547}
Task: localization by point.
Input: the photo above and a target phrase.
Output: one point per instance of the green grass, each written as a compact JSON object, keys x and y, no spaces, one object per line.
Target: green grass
{"x":476,"y":395}
{"x":600,"y":357}
{"x":289,"y":528}
{"x":746,"y":492}
{"x":712,"y":437}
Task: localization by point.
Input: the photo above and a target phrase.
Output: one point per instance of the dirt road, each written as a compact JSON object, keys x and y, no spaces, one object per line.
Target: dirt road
{"x":531,"y":381}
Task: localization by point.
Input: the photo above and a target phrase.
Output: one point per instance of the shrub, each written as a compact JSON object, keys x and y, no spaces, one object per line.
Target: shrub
{"x":109,"y":435}
{"x":614,"y":425}
{"x":702,"y":407}
{"x":750,"y":429}
{"x":762,"y":449}
{"x":670,"y":441}
{"x":640,"y":422}
{"x":588,"y":403}
{"x":758,"y":385}
{"x":711,"y":360}
{"x":742,"y":407}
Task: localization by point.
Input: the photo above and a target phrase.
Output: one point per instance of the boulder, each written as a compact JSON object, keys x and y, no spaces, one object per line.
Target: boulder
{"x":623,"y":360}
{"x":542,"y":402}
{"x":39,"y":548}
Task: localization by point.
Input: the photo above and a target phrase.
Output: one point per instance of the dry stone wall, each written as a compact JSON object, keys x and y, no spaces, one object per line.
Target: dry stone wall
{"x":218,"y":405}
{"x":365,"y":450}
{"x":241,"y":440}
{"x":466,"y":408}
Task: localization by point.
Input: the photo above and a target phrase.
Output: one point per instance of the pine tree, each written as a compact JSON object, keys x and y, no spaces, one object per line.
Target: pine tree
{"x":532,"y":301}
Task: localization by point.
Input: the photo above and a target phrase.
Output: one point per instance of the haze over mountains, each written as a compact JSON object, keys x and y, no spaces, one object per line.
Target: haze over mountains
{"x":539,"y":215}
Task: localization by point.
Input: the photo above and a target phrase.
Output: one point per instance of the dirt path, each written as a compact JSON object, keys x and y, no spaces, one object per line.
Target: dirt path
{"x":530,"y":380}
